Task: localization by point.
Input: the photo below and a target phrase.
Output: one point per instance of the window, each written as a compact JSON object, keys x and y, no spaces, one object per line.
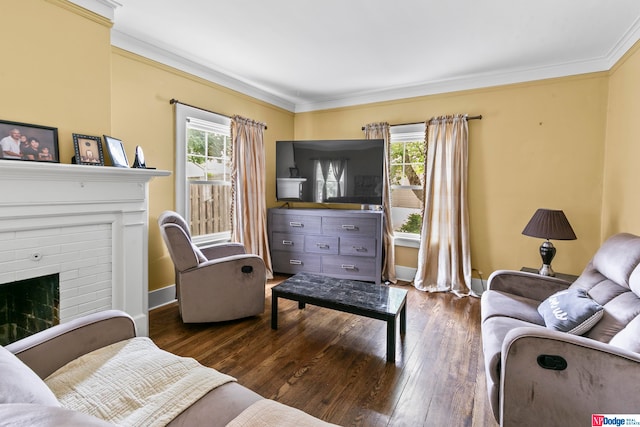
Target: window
{"x":406,"y":174}
{"x":203,"y":173}
{"x":329,"y":178}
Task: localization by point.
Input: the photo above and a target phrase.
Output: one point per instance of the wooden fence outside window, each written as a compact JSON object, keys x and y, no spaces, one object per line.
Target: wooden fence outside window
{"x":210,"y":208}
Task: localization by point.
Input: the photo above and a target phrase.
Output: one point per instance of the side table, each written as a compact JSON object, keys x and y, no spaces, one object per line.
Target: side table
{"x":568,"y":277}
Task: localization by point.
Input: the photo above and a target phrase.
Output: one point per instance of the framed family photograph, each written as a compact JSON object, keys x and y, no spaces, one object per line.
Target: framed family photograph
{"x":116,"y":152}
{"x":88,"y":150}
{"x":23,"y":141}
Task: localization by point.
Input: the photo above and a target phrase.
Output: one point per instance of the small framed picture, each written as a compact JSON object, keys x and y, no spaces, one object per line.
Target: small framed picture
{"x":22,"y":141}
{"x":116,"y":152}
{"x":88,"y":150}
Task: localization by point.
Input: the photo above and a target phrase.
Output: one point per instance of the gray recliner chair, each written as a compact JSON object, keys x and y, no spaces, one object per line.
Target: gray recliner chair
{"x":216,"y":283}
{"x":538,"y":375}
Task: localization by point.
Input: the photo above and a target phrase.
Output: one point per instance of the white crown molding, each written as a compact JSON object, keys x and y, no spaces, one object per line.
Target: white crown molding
{"x":477,"y":81}
{"x":502,"y":77}
{"x":155,"y":53}
{"x":105,"y":8}
{"x":626,"y":42}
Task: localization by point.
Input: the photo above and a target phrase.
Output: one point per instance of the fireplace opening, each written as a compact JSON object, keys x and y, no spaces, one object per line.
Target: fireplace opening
{"x":28,"y":306}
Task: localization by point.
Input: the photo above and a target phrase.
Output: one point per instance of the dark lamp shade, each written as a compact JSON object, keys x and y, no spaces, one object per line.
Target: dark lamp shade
{"x":549,"y":224}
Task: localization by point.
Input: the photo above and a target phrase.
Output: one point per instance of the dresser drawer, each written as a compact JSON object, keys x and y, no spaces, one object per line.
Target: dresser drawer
{"x":321,"y":244}
{"x":349,"y":226}
{"x":292,"y":223}
{"x":287,"y":242}
{"x":348,"y":266}
{"x":358,"y":246}
{"x":286,"y":262}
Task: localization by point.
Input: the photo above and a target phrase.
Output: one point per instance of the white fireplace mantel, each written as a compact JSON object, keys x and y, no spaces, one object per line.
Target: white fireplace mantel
{"x":87,"y":223}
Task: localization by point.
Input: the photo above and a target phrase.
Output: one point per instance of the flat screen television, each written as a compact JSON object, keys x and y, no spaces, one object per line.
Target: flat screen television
{"x":330,"y":171}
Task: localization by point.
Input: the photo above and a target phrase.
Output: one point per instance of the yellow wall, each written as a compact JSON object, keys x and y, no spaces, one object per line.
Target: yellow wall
{"x":142,"y":115}
{"x":56,"y":69}
{"x":621,"y":204}
{"x":539,"y":145}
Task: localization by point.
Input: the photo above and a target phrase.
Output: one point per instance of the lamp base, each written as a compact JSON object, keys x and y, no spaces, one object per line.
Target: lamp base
{"x":546,"y":270}
{"x":547,"y":252}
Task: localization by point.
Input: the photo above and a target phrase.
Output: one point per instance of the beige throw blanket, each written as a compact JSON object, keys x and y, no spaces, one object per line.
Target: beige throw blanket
{"x":133,"y":383}
{"x":267,"y":413}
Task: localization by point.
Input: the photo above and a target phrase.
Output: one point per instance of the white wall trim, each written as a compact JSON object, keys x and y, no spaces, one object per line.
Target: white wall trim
{"x":105,"y":8}
{"x":179,"y":61}
{"x":162,"y":296}
{"x":194,"y":67}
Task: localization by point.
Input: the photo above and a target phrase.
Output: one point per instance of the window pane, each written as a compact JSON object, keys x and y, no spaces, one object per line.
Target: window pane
{"x":195,"y":142}
{"x":406,"y":205}
{"x":407,"y":170}
{"x":216,"y":145}
{"x":207,"y":160}
{"x":210,"y":208}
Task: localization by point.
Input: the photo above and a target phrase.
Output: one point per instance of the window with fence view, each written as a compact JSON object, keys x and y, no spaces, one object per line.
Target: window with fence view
{"x":407,"y":175}
{"x":208,"y":172}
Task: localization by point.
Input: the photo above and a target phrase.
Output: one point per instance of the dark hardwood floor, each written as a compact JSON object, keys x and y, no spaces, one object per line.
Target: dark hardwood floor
{"x":332,"y":365}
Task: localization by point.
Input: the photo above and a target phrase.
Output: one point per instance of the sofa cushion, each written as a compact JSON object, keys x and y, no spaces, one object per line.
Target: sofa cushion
{"x":19,"y":384}
{"x":571,"y":311}
{"x":502,"y":304}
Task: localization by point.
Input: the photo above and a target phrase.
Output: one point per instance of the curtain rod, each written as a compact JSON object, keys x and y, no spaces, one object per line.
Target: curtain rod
{"x":175,"y":101}
{"x":479,"y":117}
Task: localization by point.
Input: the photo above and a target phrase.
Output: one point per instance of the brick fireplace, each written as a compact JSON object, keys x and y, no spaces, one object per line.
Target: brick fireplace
{"x":87,"y":224}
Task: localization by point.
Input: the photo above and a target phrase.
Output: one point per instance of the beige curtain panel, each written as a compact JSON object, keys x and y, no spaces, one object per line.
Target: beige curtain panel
{"x":248,"y":205}
{"x":444,"y":260}
{"x":381,"y":131}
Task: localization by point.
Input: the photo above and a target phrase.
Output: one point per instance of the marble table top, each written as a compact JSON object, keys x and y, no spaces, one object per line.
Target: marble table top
{"x":348,"y":293}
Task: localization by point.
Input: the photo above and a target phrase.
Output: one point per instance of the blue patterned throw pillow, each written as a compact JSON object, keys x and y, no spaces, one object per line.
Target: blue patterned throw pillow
{"x":572,"y":311}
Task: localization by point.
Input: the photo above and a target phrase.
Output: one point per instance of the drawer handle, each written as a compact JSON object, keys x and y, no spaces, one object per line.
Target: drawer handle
{"x":295,"y":262}
{"x":322,"y":245}
{"x":295,"y":224}
{"x":349,"y":227}
{"x":348,"y":266}
{"x":359,"y":248}
{"x":287,"y":242}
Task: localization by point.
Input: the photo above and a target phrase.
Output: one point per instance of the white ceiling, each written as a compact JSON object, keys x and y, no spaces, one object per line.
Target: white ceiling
{"x":306,"y":55}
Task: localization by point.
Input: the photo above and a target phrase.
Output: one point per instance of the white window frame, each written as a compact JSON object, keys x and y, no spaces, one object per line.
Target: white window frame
{"x":407,"y":133}
{"x":201,"y":118}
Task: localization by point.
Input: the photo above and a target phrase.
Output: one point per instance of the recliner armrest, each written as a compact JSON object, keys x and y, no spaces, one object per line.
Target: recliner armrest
{"x":598,"y":378}
{"x":49,"y":350}
{"x":222,"y":250}
{"x":528,"y":285}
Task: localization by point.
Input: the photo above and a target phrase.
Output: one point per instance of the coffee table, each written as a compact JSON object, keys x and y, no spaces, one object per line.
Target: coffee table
{"x":365,"y":299}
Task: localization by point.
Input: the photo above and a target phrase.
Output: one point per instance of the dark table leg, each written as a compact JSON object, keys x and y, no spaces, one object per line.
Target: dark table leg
{"x":391,"y":339}
{"x":301,"y":305}
{"x":403,"y":319}
{"x":274,"y":310}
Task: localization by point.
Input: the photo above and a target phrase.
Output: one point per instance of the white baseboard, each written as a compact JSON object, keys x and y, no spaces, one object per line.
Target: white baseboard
{"x":407,"y":274}
{"x":163,"y":296}
{"x":167,"y":295}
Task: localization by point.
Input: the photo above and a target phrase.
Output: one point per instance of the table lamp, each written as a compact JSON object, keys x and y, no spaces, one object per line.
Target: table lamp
{"x":549,"y":224}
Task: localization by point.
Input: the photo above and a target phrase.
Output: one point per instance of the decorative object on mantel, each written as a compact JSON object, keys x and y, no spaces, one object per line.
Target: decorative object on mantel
{"x":22,"y":141}
{"x":549,"y":224}
{"x":116,"y":152}
{"x":88,"y":150}
{"x":139,"y":162}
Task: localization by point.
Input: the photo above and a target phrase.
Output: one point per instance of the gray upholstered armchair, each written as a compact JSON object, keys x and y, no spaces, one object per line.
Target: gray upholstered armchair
{"x":538,"y":376}
{"x":216,"y":283}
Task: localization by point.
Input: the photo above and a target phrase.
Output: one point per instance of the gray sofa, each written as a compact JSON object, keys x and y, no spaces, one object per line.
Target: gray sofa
{"x":537,"y":376}
{"x":26,"y":400}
